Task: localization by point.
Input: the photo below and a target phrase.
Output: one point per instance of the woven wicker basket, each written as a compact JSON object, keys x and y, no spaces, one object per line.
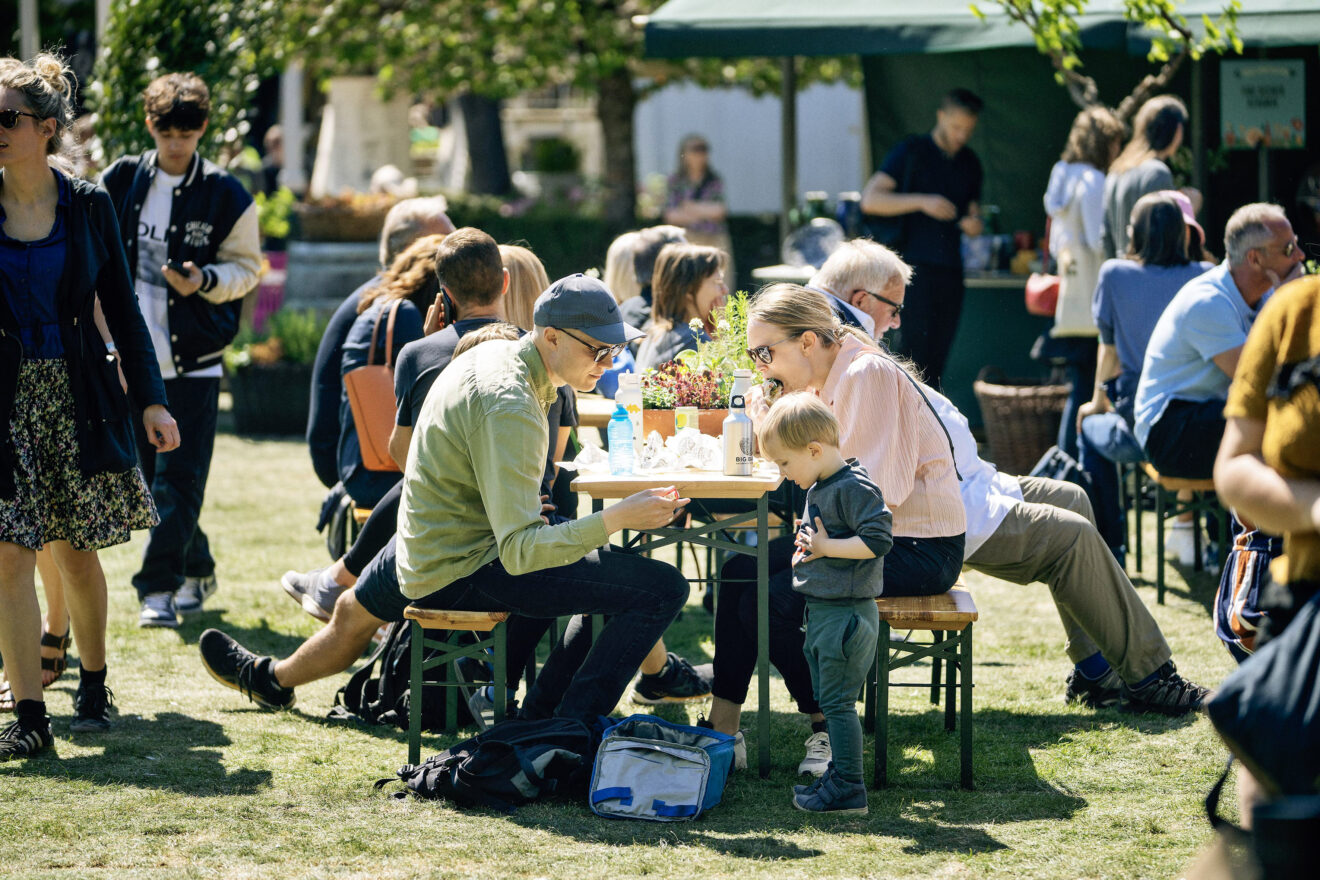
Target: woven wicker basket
{"x":1021,"y":418}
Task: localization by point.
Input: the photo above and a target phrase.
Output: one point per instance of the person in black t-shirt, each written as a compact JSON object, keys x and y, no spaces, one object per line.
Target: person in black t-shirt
{"x":933,"y":182}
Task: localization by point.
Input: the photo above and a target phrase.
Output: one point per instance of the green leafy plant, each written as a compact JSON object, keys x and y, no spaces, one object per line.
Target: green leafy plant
{"x":554,"y":156}
{"x":726,"y":351}
{"x":225,"y":42}
{"x":290,"y":336}
{"x":703,"y":377}
{"x":274,"y":211}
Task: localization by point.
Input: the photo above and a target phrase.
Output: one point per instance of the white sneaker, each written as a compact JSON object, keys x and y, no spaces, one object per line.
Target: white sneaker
{"x":819,"y":756}
{"x":1180,"y":544}
{"x":194,"y":592}
{"x":158,"y":610}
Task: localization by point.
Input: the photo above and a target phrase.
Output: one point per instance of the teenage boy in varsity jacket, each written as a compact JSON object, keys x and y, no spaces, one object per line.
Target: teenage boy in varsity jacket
{"x":190,"y":232}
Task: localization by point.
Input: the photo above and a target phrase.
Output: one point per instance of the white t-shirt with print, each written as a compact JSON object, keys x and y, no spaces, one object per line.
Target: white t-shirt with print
{"x":152,"y":290}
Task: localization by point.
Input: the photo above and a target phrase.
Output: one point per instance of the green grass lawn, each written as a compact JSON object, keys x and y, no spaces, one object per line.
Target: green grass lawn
{"x":195,"y":781}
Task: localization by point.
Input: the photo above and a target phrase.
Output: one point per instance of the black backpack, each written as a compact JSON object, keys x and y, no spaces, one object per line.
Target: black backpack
{"x":378,"y":693}
{"x":514,"y":762}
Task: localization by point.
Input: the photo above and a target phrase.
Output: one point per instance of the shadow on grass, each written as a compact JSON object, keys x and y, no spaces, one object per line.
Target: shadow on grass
{"x":261,"y":639}
{"x":1198,"y":586}
{"x":171,"y":753}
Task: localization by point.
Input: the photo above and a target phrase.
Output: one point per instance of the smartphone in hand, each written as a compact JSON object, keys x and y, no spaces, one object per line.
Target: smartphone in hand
{"x":176,"y":266}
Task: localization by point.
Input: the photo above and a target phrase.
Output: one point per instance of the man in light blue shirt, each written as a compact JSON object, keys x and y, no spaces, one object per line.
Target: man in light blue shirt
{"x":1194,"y":348}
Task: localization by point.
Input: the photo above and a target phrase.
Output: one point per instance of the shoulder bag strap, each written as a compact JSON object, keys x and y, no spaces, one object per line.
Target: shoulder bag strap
{"x":375,"y":333}
{"x":389,"y":335}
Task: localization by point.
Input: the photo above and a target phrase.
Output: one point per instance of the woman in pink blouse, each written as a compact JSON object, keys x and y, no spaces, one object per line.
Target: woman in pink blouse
{"x":796,"y":340}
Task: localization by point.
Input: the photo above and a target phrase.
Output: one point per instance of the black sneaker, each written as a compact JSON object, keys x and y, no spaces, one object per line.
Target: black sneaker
{"x":1168,"y":694}
{"x":1098,"y":693}
{"x":91,"y":708}
{"x":20,"y":741}
{"x":235,"y":666}
{"x":680,"y":681}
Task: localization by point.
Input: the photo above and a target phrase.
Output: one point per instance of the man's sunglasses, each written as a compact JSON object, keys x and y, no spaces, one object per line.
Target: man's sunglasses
{"x":897,"y":307}
{"x":764,"y":354}
{"x":9,"y":118}
{"x":599,"y":352}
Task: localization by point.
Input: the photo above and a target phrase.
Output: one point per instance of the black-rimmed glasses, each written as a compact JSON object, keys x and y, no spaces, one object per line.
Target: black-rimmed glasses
{"x":9,"y":118}
{"x":764,"y":354}
{"x":601,"y":352}
{"x":897,"y":307}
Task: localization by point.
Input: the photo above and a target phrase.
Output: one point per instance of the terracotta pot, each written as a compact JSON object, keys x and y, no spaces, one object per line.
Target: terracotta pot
{"x":661,"y":420}
{"x":711,"y":421}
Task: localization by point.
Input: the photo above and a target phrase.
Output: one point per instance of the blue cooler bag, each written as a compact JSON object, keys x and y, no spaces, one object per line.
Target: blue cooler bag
{"x":647,"y":768}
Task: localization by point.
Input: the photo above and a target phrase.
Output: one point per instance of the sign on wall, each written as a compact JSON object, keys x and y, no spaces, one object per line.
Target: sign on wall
{"x":1263,"y":104}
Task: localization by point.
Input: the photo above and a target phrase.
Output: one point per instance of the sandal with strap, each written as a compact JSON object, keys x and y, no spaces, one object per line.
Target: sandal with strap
{"x":60,"y":663}
{"x":57,"y":665}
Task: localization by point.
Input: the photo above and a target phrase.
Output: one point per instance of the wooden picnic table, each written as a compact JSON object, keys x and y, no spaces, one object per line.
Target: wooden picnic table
{"x":698,"y":484}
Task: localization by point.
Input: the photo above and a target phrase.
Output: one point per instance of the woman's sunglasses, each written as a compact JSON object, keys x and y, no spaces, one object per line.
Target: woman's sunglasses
{"x":764,"y":354}
{"x":9,"y":118}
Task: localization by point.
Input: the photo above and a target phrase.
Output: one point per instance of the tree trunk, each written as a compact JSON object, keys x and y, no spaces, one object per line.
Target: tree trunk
{"x":614,"y":108}
{"x":485,"y":143}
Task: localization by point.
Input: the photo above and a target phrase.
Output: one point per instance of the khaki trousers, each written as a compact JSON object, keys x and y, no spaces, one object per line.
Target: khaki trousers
{"x":1052,"y":538}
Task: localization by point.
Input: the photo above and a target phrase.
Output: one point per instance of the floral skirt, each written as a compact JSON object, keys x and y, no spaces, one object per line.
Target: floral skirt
{"x":55,"y":500}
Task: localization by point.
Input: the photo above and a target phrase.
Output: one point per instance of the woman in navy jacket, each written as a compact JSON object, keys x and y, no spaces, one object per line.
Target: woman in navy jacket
{"x":68,"y":462}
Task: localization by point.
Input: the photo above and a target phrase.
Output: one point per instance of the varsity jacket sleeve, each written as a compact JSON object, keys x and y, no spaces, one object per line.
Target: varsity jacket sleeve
{"x":237,"y":268}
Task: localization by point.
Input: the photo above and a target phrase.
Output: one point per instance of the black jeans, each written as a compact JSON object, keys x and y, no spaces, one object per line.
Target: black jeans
{"x":640,"y":597}
{"x":930,"y":319}
{"x":914,"y":567}
{"x":1185,"y":440}
{"x":376,"y":531}
{"x":178,"y":547}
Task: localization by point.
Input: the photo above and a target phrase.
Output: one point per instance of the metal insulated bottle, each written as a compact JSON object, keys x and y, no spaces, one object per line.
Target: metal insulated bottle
{"x":738,"y":441}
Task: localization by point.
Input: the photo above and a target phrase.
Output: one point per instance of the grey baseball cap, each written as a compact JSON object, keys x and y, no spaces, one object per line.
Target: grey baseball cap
{"x":580,"y":302}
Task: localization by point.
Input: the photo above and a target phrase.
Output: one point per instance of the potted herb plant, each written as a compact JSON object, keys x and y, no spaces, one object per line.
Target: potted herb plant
{"x":270,"y":372}
{"x":702,"y":377}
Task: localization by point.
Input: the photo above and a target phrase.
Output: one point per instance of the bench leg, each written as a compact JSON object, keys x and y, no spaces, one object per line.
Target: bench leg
{"x":501,"y":664}
{"x":936,"y":637}
{"x":880,"y":776}
{"x":965,"y":666}
{"x":451,"y":693}
{"x":1198,"y":502}
{"x":952,"y":663}
{"x":1138,"y":501}
{"x":1159,"y":544}
{"x":415,"y":695}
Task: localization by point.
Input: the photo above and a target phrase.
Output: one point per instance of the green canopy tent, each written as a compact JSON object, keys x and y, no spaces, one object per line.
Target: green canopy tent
{"x":913,"y":52}
{"x":790,"y":28}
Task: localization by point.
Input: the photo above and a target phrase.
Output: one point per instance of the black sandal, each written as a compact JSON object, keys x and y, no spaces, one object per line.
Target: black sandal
{"x":58,"y":664}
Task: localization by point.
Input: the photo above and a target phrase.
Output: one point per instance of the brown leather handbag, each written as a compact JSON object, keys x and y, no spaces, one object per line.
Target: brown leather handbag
{"x":371,"y":397}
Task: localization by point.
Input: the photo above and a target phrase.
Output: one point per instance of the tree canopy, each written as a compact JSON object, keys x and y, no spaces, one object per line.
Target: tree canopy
{"x":222,"y":41}
{"x":1055,"y":26}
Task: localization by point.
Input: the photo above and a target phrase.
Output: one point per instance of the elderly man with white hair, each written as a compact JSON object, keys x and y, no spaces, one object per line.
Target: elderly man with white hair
{"x":1029,"y":529}
{"x":1196,"y":343}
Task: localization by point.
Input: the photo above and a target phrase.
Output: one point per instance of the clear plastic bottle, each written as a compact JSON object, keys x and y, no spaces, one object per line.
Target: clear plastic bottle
{"x":620,"y":433}
{"x":629,"y":396}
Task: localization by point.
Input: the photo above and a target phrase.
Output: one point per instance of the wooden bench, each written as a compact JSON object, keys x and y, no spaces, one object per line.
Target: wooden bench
{"x":948,"y":617}
{"x":447,"y":649}
{"x":1168,"y":506}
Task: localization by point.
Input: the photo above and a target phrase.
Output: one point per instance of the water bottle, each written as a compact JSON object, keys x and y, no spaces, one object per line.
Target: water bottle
{"x":848,"y":211}
{"x":742,"y":383}
{"x":629,"y":396}
{"x":620,"y":433}
{"x":738,"y":443}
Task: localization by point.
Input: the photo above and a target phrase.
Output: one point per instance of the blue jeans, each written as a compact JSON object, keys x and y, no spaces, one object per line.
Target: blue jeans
{"x":640,"y":597}
{"x":1105,"y":441}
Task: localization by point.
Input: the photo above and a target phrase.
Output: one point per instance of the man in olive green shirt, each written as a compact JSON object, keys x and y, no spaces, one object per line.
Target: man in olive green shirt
{"x":471,"y":534}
